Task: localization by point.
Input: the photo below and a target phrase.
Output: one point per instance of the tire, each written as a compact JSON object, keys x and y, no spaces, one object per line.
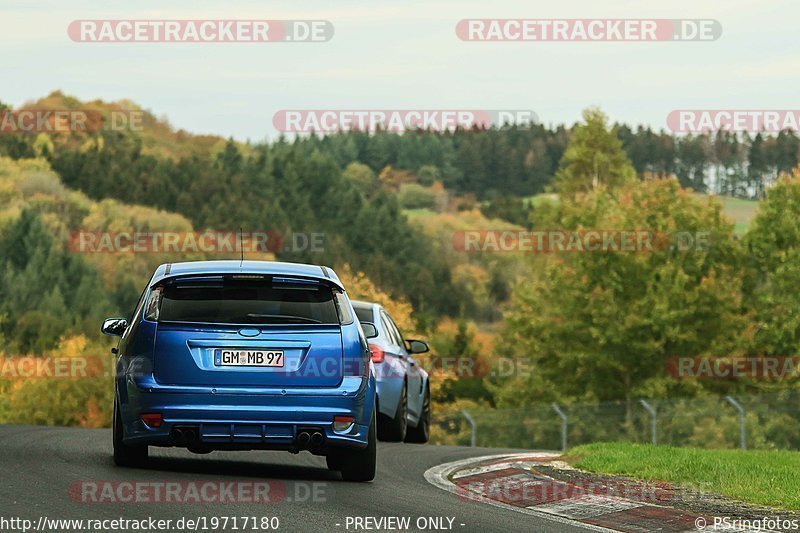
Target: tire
{"x":422,"y":432}
{"x":124,"y":455}
{"x":334,"y":461}
{"x":394,"y":429}
{"x":359,"y":464}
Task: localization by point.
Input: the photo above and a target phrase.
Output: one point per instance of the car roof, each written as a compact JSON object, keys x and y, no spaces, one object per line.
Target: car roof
{"x":192,"y":268}
{"x":364,"y":305}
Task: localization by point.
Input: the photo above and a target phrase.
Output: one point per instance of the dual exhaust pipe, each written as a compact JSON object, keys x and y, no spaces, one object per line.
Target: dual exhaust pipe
{"x":307,"y":440}
{"x":184,"y":436}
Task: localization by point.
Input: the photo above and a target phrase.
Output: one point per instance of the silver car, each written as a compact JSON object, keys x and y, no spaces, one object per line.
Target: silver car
{"x":404,"y":397}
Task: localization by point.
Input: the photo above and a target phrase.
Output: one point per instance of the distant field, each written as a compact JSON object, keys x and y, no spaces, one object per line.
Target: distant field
{"x":756,"y":476}
{"x":739,"y":210}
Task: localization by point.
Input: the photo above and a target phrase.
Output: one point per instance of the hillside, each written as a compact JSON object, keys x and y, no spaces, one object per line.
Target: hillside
{"x":158,"y":137}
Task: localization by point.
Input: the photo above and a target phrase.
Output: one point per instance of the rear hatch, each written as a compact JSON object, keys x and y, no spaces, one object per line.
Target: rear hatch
{"x":247,"y":331}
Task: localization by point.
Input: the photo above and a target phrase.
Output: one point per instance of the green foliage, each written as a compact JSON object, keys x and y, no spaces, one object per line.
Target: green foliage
{"x":594,"y":157}
{"x":362,"y":177}
{"x":774,"y":245}
{"x":42,"y":288}
{"x":518,"y":160}
{"x":82,"y":397}
{"x":415,"y":196}
{"x":284,"y":188}
{"x":510,"y":209}
{"x":429,"y":174}
{"x":461,"y":348}
{"x":601,"y":325}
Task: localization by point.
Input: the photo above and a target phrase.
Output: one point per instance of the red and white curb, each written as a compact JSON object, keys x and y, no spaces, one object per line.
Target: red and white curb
{"x":507,"y":481}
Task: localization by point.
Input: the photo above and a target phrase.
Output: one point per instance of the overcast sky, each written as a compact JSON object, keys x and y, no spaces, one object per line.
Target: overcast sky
{"x":398,"y":54}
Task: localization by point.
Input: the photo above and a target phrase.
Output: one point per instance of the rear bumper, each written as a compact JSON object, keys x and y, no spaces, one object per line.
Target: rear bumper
{"x":246,"y":418}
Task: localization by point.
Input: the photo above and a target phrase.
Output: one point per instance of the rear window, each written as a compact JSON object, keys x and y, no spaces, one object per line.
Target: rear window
{"x":237,"y":301}
{"x":364,"y":314}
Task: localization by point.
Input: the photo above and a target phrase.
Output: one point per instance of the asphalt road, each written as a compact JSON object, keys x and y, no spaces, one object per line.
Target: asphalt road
{"x":41,"y":466}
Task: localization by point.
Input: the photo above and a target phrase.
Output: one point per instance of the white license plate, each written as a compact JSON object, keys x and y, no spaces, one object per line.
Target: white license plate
{"x":226,"y":357}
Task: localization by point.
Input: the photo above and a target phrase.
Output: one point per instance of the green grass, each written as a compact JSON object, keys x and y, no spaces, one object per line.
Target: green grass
{"x":761,"y":477}
{"x":538,"y":199}
{"x":741,"y":211}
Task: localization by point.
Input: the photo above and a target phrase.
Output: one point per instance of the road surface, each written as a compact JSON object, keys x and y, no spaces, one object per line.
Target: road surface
{"x":47,"y":471}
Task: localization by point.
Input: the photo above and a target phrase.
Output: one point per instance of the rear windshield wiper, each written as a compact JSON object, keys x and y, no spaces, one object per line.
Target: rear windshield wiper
{"x":289,"y":318}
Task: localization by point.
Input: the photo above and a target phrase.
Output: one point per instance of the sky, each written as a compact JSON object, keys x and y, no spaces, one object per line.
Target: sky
{"x":404,"y":54}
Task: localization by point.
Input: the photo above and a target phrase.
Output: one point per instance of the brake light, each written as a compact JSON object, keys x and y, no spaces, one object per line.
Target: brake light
{"x":341,"y":423}
{"x":377,"y":353}
{"x":153,"y":420}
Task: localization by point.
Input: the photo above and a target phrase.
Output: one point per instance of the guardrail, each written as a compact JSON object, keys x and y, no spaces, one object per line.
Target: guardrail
{"x":764,"y":421}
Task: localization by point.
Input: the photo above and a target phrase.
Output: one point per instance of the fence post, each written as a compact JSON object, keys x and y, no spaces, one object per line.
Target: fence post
{"x":563,"y":417}
{"x":653,"y":420}
{"x":474,"y":437}
{"x":742,"y":428}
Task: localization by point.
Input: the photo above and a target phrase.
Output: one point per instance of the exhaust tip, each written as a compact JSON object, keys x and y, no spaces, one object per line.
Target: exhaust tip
{"x":303,"y":438}
{"x":317,"y":438}
{"x":189,"y":435}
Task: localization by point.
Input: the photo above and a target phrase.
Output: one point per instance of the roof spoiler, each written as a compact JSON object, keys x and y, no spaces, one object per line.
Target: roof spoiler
{"x":324,"y":280}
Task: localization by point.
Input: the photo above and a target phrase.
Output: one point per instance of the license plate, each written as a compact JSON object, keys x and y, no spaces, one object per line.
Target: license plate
{"x":225,"y":357}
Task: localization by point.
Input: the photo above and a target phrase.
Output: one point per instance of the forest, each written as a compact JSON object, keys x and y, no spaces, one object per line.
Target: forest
{"x":592,"y":326}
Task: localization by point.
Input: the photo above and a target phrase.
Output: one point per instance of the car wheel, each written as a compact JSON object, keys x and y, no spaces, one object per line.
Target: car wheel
{"x":125,"y":455}
{"x":422,"y":432}
{"x":334,"y":461}
{"x":360,"y":464}
{"x":394,"y":429}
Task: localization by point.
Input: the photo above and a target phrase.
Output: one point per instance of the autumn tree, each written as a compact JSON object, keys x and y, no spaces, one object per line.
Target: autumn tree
{"x":773,"y":241}
{"x":594,"y":157}
{"x":602,"y":325}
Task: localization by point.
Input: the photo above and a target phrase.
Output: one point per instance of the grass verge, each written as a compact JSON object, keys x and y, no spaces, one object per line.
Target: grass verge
{"x":756,"y":476}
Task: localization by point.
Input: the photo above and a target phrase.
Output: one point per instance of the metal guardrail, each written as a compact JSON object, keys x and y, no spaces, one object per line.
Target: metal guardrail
{"x":766,"y":421}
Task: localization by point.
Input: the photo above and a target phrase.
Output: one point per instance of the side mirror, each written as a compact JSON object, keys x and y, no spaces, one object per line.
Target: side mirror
{"x":369,"y":330}
{"x":415,"y":346}
{"x":114,"y":326}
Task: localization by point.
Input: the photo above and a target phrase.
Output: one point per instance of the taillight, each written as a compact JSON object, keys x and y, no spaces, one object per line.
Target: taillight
{"x":153,"y":420}
{"x":341,"y":423}
{"x":377,"y":353}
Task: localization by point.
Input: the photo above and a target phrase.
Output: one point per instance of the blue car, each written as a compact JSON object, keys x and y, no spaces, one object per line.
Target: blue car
{"x":404,"y":395}
{"x":245,"y":355}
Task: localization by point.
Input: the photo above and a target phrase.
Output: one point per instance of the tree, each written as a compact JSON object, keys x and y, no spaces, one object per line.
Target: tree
{"x":39,"y":287}
{"x":415,"y":196}
{"x":594,"y":156}
{"x":362,"y":177}
{"x":774,"y":244}
{"x":602,"y":325}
